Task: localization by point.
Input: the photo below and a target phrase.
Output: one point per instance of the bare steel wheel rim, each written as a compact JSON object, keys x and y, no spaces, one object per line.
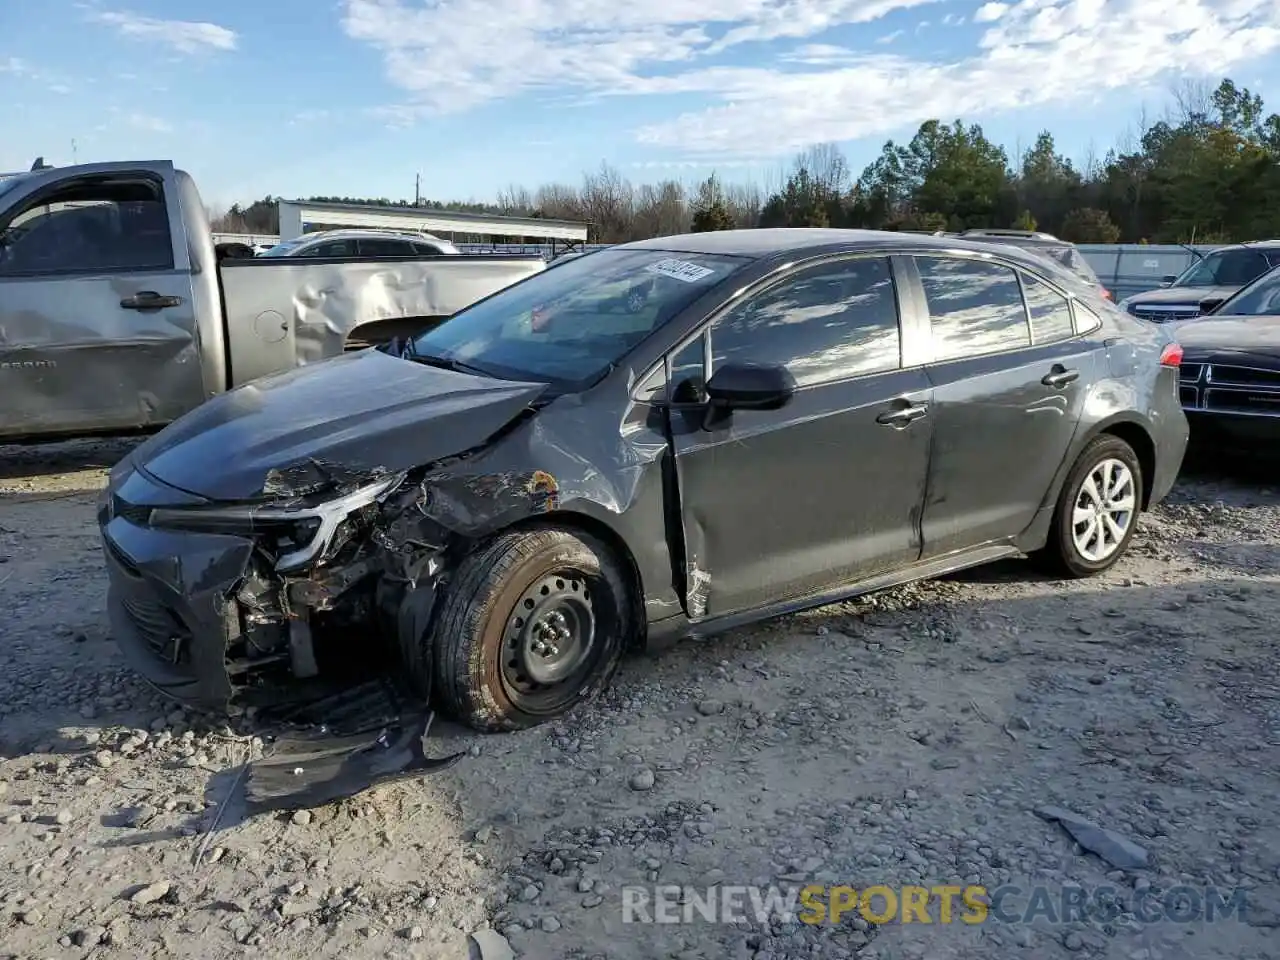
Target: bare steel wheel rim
{"x":549,"y":642}
{"x":1104,"y":510}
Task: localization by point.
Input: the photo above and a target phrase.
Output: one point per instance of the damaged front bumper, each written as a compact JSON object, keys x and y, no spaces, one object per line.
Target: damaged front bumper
{"x":209,"y":620}
{"x":210,"y":613}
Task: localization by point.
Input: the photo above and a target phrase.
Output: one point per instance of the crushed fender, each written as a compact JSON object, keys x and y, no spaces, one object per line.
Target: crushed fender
{"x":341,"y":745}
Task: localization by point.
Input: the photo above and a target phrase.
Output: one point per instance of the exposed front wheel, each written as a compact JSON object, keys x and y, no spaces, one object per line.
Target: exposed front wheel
{"x":529,"y":626}
{"x":1097,"y":511}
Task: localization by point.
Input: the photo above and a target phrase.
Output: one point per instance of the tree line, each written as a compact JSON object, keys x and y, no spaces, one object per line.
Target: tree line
{"x":1207,"y":172}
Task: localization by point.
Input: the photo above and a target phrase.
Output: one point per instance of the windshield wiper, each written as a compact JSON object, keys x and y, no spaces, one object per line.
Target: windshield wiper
{"x":444,"y":363}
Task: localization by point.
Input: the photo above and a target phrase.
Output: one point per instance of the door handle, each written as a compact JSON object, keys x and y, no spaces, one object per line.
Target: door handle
{"x":1060,"y":376}
{"x":149,"y":300}
{"x":903,"y":416}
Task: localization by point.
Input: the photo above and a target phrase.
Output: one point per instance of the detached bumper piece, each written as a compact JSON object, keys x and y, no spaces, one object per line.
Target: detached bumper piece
{"x":342,"y":745}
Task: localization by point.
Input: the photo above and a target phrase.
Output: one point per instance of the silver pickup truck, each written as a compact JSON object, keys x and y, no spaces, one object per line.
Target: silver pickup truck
{"x":118,"y":315}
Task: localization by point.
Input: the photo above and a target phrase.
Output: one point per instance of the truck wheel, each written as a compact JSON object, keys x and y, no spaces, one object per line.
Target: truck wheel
{"x":529,"y":626}
{"x":1097,"y":510}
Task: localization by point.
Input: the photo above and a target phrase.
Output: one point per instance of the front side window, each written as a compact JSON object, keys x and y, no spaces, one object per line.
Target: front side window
{"x":828,"y":322}
{"x":974,"y":307}
{"x":89,"y":227}
{"x":285,"y":248}
{"x":332,"y":248}
{"x":569,"y":325}
{"x":1049,"y":311}
{"x":1225,"y":268}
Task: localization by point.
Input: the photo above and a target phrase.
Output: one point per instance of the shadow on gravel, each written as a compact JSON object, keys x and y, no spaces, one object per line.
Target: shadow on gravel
{"x":1201,"y":653}
{"x":19,"y":497}
{"x":19,"y":461}
{"x":1257,"y":468}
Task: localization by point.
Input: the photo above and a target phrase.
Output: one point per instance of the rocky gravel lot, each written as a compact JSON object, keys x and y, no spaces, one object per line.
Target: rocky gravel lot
{"x":912,"y":738}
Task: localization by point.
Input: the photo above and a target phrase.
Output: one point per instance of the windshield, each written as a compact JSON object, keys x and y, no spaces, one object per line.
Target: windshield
{"x":1224,"y":268}
{"x":1259,"y":299}
{"x":567,"y":326}
{"x":284,"y":248}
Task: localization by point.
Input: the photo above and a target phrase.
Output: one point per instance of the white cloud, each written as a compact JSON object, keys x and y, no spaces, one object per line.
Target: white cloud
{"x":13,"y":65}
{"x":796,"y":89}
{"x":450,"y":57}
{"x":148,"y":123}
{"x":890,"y":37}
{"x":185,"y":36}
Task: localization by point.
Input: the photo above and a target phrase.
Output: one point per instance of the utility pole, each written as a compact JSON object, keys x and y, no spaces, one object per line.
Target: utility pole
{"x":73,"y":151}
{"x":417,"y":190}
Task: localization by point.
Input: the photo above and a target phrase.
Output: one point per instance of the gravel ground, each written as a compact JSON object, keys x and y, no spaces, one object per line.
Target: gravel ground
{"x":913,"y":738}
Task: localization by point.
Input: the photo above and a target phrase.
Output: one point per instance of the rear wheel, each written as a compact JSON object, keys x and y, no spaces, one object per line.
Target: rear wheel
{"x":529,"y":626}
{"x":1097,"y":510}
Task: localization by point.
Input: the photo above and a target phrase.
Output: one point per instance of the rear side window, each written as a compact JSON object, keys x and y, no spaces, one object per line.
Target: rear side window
{"x":826,"y":323}
{"x":974,"y":307}
{"x":1086,"y":320}
{"x":373,"y":247}
{"x":1049,"y":311}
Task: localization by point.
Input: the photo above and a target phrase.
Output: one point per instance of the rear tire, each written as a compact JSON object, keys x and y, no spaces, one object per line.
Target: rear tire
{"x":1097,"y":510}
{"x":529,"y":626}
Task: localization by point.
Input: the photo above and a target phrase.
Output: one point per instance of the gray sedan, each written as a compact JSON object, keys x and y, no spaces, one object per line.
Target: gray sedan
{"x":494,"y":511}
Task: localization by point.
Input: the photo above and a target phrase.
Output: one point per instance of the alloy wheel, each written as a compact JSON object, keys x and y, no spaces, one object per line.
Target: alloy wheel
{"x":1104,"y":510}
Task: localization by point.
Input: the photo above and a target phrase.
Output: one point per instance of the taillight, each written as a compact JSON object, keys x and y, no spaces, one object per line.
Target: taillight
{"x":1106,"y":294}
{"x":1171,"y":355}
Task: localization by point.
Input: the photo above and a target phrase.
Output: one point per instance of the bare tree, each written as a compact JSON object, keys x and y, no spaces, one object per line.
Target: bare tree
{"x":660,"y":210}
{"x":558,"y":201}
{"x":1191,"y":99}
{"x":608,"y":202}
{"x":515,"y":200}
{"x":744,"y":201}
{"x":827,"y":167}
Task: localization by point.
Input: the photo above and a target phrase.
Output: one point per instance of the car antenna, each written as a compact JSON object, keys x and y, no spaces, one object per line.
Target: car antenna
{"x":41,"y":165}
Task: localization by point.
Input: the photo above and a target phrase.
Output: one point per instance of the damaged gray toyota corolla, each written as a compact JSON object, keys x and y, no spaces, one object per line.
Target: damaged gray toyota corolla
{"x":496,"y":510}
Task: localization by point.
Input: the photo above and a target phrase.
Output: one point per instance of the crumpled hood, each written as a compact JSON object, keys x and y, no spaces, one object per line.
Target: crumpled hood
{"x":359,"y":414}
{"x":1245,"y":341}
{"x":1171,"y":296}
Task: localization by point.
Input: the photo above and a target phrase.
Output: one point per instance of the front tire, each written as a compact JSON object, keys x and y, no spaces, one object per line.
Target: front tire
{"x":1097,"y":510}
{"x":530,"y":625}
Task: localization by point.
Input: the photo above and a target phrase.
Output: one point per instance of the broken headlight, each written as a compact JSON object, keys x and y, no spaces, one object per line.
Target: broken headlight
{"x":302,"y":532}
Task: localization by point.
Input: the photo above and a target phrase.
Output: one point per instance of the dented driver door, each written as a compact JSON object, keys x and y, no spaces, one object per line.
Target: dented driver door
{"x":776,"y":505}
{"x":97,"y":321}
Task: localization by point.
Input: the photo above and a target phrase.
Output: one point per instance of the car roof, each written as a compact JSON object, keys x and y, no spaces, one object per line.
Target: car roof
{"x":358,"y":233}
{"x":764,"y":243}
{"x":1252,"y":244}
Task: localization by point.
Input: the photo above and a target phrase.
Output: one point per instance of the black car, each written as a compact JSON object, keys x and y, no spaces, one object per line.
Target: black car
{"x":1231,"y":369}
{"x":1204,"y":285}
{"x":794,"y":416}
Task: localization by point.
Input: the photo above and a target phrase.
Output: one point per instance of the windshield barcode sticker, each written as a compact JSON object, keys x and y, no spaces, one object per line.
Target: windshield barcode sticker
{"x":680,"y":270}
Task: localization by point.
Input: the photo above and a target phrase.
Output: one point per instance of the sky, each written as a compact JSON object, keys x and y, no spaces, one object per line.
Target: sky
{"x":300,"y":98}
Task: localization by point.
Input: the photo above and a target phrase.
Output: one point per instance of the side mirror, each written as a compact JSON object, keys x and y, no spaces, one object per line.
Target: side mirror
{"x":1208,"y":306}
{"x":746,"y":386}
{"x":1167,"y":281}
